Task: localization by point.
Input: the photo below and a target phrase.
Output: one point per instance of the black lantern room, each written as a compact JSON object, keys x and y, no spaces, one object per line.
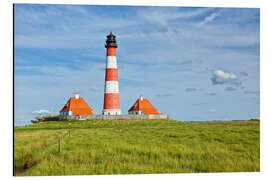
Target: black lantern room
{"x":111,"y":41}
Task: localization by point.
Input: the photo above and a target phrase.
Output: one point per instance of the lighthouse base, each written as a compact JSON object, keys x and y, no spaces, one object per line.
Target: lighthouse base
{"x":111,"y":112}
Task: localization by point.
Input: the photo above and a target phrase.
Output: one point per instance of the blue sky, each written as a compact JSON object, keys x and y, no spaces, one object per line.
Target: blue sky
{"x":195,"y":64}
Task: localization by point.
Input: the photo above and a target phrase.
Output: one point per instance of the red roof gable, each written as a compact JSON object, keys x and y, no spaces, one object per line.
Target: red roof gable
{"x":77,"y":106}
{"x":143,"y":105}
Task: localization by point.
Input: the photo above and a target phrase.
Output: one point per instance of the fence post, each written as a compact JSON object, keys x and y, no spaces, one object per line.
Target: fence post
{"x":59,"y":145}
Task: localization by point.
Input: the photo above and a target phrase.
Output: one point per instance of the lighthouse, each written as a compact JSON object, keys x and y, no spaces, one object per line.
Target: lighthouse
{"x":111,"y":91}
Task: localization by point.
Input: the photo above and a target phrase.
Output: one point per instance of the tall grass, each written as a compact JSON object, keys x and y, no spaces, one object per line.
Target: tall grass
{"x":137,"y":147}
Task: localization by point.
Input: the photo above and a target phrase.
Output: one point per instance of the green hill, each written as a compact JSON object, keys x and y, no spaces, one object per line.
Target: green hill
{"x":136,"y":147}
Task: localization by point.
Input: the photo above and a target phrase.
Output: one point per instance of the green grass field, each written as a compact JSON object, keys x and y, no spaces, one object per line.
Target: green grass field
{"x":136,"y":147}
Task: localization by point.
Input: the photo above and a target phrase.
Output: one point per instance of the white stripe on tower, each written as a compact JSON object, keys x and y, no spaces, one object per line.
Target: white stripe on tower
{"x":111,"y":62}
{"x":111,"y":87}
{"x":111,"y":94}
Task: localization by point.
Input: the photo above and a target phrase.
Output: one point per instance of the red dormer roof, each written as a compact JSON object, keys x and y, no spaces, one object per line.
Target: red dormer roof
{"x":143,"y":105}
{"x":78,"y":107}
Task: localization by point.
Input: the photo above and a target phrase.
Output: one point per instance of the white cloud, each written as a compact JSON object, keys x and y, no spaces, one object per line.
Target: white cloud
{"x":41,"y":111}
{"x":164,"y":95}
{"x":94,"y":89}
{"x":244,"y":73}
{"x":229,"y":88}
{"x":212,"y":110}
{"x":190,"y":89}
{"x":221,"y":77}
{"x":163,"y":15}
{"x":252,"y":92}
{"x":211,"y":94}
{"x":209,"y":18}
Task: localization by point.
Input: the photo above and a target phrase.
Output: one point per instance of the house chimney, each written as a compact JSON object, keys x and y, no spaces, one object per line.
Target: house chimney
{"x":141,"y":97}
{"x":76,"y":95}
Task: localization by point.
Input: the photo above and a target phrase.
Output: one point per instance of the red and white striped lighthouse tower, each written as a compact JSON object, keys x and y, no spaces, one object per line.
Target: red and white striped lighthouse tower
{"x":111,"y":94}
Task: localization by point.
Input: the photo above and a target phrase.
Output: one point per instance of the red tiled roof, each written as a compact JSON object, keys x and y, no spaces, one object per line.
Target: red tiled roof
{"x":145,"y":106}
{"x":77,"y":106}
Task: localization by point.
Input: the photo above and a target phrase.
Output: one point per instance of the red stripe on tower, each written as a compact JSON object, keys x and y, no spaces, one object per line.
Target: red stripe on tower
{"x":111,"y":94}
{"x":111,"y":74}
{"x":111,"y":51}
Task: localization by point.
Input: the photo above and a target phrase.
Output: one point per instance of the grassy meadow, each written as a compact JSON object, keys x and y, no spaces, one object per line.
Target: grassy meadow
{"x":136,"y":147}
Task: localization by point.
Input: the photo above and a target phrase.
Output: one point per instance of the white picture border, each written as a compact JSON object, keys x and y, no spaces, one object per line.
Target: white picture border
{"x":6,"y":9}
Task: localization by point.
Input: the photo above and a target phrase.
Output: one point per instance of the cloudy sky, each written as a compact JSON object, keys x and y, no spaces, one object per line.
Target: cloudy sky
{"x":195,"y":64}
